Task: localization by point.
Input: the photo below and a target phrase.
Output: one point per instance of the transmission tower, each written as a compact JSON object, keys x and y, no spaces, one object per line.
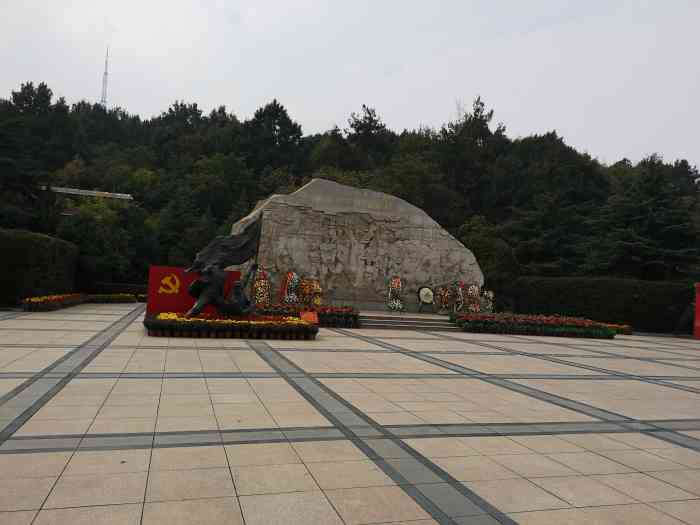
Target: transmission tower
{"x":103,"y":100}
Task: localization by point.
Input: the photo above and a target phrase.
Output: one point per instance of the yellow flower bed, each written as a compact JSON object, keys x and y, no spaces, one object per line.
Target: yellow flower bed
{"x":52,"y":298}
{"x":223,"y":321}
{"x":173,"y":324}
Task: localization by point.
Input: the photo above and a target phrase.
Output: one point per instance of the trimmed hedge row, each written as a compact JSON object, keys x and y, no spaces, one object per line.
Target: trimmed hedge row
{"x":35,"y":264}
{"x":101,"y":288}
{"x":56,"y":302}
{"x":648,"y":306}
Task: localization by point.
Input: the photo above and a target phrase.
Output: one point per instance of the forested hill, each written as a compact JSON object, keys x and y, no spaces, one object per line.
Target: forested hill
{"x":531,"y":206}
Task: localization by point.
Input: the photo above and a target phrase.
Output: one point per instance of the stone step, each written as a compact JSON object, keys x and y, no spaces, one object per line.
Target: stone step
{"x":415,"y":318}
{"x":407,"y":324}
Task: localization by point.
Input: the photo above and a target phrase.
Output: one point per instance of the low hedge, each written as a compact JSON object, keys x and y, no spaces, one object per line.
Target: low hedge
{"x":517,"y":324}
{"x":254,"y":327}
{"x":48,"y":303}
{"x":35,"y":265}
{"x":648,"y":306}
{"x":328,"y":316}
{"x":112,"y":298}
{"x":102,"y":288}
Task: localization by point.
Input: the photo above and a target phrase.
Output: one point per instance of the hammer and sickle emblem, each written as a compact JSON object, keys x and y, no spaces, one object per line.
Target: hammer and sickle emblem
{"x":170,"y":284}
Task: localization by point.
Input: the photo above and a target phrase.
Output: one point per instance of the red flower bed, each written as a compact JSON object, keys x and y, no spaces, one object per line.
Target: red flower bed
{"x":523,"y":324}
{"x":328,"y":316}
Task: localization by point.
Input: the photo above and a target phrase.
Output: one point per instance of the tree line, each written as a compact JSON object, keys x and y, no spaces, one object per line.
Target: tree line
{"x":525,"y":206}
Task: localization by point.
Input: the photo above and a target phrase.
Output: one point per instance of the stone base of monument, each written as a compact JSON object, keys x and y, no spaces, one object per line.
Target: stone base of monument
{"x":406,"y":321}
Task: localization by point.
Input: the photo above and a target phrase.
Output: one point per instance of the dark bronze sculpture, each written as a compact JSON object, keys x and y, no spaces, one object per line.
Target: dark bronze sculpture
{"x":210,"y":262}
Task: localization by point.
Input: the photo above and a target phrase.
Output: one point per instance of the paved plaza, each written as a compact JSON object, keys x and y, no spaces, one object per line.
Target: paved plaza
{"x":101,"y":424}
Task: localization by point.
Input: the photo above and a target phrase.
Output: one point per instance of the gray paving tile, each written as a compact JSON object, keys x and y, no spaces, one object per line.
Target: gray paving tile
{"x":450,"y":500}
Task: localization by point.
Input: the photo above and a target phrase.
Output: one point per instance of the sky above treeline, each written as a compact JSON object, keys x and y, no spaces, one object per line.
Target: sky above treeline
{"x":614,"y":78}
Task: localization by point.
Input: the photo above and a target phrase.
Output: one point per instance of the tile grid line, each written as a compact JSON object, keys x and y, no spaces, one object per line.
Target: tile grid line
{"x":554,"y":399}
{"x":71,"y":442}
{"x":667,"y":435}
{"x":73,"y":453}
{"x":427,"y":505}
{"x":76,"y":348}
{"x":592,"y":348}
{"x":12,"y":315}
{"x":93,"y":347}
{"x":276,"y":360}
{"x":577,"y":406}
{"x":582,"y":366}
{"x":344,"y":375}
{"x":153,"y":440}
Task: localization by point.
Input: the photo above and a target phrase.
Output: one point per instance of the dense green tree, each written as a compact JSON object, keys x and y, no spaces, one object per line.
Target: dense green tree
{"x":372,"y":141}
{"x":533,"y":205}
{"x":646,"y":228}
{"x":271,"y":138}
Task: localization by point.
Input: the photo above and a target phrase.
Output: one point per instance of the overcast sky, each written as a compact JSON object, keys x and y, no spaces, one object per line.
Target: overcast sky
{"x":614,"y":78}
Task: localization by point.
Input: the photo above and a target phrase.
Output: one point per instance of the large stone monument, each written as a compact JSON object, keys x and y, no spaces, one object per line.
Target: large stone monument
{"x":354,"y":241}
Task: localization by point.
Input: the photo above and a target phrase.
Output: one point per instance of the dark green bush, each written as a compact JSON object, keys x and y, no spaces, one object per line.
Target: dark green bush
{"x":34,"y":264}
{"x":118,"y":288}
{"x":649,"y":306}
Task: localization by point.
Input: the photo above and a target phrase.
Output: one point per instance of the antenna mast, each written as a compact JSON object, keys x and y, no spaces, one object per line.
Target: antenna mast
{"x":103,"y":100}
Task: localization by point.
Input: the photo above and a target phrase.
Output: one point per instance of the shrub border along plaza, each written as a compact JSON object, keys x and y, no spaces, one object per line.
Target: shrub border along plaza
{"x":520,"y":324}
{"x":35,"y":264}
{"x":328,"y":316}
{"x":47,"y":303}
{"x":171,"y":324}
{"x":648,"y":306}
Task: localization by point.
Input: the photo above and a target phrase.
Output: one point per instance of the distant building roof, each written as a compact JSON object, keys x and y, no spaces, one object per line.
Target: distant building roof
{"x":89,"y":193}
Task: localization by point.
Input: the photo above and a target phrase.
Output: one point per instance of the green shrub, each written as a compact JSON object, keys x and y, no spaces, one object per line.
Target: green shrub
{"x":112,"y":298}
{"x":648,"y":306}
{"x":33,"y":264}
{"x":101,"y":288}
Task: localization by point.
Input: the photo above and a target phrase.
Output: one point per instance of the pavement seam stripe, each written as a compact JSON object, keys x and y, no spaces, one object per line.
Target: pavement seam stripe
{"x":11,"y":315}
{"x":582,"y":366}
{"x":76,"y":348}
{"x":577,"y":406}
{"x":94,"y":346}
{"x":274,"y":357}
{"x":119,"y":441}
{"x":428,"y":506}
{"x":554,"y":399}
{"x":597,"y":350}
{"x":666,"y":435}
{"x":339,"y":375}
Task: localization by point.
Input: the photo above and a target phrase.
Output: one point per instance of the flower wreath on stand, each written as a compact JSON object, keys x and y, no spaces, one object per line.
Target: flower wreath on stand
{"x":458,"y":304}
{"x":487,"y":300}
{"x":443,"y":299}
{"x":394,"y":301}
{"x":311,"y":292}
{"x":288,"y":291}
{"x":262,"y":288}
{"x":473,"y":301}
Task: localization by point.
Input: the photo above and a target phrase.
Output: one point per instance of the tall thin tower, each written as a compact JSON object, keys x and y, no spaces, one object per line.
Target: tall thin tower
{"x":103,"y":100}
